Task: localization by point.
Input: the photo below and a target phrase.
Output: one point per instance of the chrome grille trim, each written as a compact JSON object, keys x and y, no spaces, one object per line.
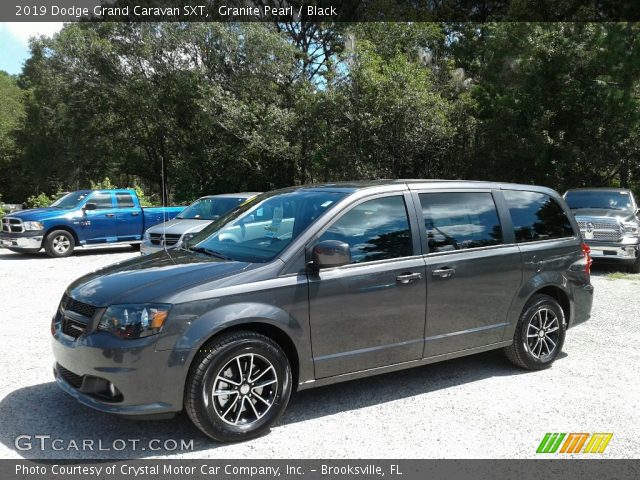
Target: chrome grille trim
{"x":609,"y":230}
{"x":12,"y":225}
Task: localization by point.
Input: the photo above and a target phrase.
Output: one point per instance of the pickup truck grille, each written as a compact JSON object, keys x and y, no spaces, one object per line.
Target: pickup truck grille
{"x":12,"y":225}
{"x":608,"y":230}
{"x":169,"y":239}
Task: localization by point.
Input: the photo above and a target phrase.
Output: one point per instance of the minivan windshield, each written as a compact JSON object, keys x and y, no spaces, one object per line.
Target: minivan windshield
{"x":210,"y":208}
{"x":610,"y":200}
{"x":71,"y":200}
{"x":259,"y":230}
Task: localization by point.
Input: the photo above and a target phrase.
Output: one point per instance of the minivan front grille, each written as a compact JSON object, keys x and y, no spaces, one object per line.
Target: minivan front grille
{"x":168,"y":239}
{"x":80,"y":308}
{"x":73,"y":328}
{"x":71,"y":378}
{"x":12,"y":225}
{"x":608,"y":230}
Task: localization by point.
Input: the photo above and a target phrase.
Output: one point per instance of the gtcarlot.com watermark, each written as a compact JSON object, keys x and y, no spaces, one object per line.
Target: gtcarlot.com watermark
{"x":48,"y":443}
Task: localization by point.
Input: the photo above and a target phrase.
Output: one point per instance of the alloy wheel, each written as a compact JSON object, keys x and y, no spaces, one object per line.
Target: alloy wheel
{"x":543,"y":333}
{"x":61,"y":244}
{"x":244,"y":389}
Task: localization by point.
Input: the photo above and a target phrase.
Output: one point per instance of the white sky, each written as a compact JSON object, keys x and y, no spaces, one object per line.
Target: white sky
{"x":22,"y":31}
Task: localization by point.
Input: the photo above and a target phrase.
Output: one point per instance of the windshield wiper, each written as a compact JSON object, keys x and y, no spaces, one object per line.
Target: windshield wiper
{"x":208,"y":251}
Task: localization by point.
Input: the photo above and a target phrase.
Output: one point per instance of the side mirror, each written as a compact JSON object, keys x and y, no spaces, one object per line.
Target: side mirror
{"x":91,"y":206}
{"x":330,"y":253}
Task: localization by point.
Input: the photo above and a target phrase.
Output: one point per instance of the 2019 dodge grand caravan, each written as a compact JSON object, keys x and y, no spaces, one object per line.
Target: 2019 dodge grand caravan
{"x":314,"y":285}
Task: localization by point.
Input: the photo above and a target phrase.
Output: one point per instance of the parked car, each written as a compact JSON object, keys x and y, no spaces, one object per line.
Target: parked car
{"x":191,"y":220}
{"x":609,"y":220}
{"x":81,"y":219}
{"x":340,"y":281}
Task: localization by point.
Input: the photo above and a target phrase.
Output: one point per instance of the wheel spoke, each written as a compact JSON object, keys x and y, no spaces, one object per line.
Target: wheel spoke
{"x":250,"y":368}
{"x":551,"y":330}
{"x":261,"y":374}
{"x":531,"y":325}
{"x":262,"y":385}
{"x":239,"y":411}
{"x":552,"y":343}
{"x":231,"y":407}
{"x":255,"y":411}
{"x":261,"y":399}
{"x":228,"y":380}
{"x":240,"y":369}
{"x":219,"y":393}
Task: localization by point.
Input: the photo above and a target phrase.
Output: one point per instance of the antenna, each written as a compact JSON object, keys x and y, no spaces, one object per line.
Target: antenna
{"x":164,"y":204}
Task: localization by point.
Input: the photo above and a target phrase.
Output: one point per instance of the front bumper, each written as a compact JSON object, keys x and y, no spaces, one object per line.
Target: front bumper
{"x":147,"y":382}
{"x":31,"y":240}
{"x":614,"y":252}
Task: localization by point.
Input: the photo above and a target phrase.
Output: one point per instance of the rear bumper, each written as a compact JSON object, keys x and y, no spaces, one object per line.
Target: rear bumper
{"x":24,"y":240}
{"x":614,"y":252}
{"x":582,"y":304}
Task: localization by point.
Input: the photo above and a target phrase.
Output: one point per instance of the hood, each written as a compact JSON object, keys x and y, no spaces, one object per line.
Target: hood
{"x":36,"y":214}
{"x":151,"y":278}
{"x":180,"y":226}
{"x":619,"y":215}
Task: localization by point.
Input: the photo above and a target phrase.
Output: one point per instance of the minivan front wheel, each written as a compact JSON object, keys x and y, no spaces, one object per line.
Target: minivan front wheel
{"x":539,"y":335}
{"x":238,"y":386}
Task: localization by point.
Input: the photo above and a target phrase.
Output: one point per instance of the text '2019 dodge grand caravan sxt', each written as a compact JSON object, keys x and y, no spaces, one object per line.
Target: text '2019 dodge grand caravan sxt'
{"x":313,"y":285}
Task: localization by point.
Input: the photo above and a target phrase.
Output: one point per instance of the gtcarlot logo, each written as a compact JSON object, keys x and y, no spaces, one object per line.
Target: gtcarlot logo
{"x":48,"y":443}
{"x":574,"y":443}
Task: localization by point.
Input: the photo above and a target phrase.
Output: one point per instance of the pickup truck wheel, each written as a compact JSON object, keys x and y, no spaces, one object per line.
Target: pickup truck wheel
{"x":635,"y":266}
{"x":539,"y":335}
{"x":238,"y":386}
{"x":59,"y":243}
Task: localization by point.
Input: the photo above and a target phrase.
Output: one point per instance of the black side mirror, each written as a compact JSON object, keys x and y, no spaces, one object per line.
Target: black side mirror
{"x":330,"y":253}
{"x":91,"y":206}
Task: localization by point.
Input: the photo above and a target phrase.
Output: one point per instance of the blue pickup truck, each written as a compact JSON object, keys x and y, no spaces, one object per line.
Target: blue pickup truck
{"x":82,"y":219}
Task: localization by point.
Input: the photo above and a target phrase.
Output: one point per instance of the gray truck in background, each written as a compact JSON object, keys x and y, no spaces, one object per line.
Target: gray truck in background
{"x":609,"y":220}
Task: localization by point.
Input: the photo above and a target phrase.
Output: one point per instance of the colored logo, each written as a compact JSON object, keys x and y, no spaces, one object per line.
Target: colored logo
{"x":574,"y":443}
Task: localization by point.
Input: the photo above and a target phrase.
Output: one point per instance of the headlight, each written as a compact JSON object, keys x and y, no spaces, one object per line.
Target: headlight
{"x":134,"y":321}
{"x":630,"y":229}
{"x":33,"y":226}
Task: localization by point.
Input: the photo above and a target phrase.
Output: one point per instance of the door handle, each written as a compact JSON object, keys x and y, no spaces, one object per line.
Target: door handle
{"x":110,"y":215}
{"x":406,"y":278}
{"x":135,"y":214}
{"x":445,"y":272}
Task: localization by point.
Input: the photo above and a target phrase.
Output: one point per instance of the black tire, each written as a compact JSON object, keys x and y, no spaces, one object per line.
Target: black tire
{"x":535,"y":352}
{"x":635,"y":266}
{"x":227,"y":357}
{"x":59,"y":243}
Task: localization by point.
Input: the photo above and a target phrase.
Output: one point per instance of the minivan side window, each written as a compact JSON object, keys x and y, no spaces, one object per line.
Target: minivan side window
{"x":125,"y":200}
{"x":375,"y":230}
{"x":460,"y":220}
{"x":536,"y":216}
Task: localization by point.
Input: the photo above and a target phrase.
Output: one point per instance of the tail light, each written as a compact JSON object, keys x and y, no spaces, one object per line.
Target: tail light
{"x":586,"y":252}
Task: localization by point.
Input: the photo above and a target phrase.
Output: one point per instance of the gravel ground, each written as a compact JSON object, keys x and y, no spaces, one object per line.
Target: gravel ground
{"x":474,"y":407}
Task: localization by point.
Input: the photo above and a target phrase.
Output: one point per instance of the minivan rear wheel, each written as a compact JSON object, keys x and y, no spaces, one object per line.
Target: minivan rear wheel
{"x":539,"y":335}
{"x":238,"y":387}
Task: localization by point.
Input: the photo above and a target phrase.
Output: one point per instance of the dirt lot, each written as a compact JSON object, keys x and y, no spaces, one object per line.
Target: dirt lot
{"x":478,"y":407}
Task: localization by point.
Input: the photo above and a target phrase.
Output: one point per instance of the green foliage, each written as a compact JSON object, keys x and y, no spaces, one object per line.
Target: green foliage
{"x":221,"y":107}
{"x":39,"y":201}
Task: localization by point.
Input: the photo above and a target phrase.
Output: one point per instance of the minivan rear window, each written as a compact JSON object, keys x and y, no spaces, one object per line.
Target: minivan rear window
{"x":536,"y":216}
{"x":460,"y":220}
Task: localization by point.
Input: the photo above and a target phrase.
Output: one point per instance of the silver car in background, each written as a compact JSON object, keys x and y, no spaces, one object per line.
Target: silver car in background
{"x":193,"y":219}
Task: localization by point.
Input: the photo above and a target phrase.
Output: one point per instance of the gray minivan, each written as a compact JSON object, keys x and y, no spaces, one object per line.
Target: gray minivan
{"x":314,"y":285}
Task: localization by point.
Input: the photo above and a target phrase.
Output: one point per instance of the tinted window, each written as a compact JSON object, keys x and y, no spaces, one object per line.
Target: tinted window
{"x":70,"y":200}
{"x":375,"y":230}
{"x":125,"y":200}
{"x":536,"y":216}
{"x":456,"y":221}
{"x":102,"y":200}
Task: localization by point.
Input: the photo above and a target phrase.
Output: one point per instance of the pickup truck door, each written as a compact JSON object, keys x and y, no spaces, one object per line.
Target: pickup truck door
{"x":129,"y":218}
{"x":100,"y":224}
{"x":370,"y":313}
